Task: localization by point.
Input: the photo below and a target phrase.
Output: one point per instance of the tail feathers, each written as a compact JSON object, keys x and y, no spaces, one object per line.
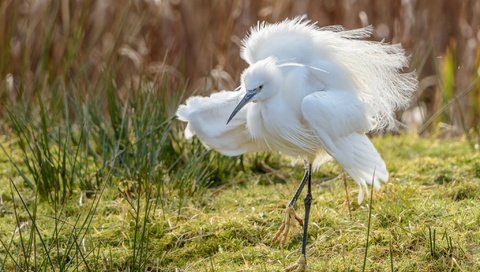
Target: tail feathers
{"x":361,"y":161}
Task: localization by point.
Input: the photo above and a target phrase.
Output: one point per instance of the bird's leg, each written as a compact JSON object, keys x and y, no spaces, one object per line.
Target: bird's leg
{"x":308,"y":204}
{"x":301,"y":264}
{"x":290,"y":213}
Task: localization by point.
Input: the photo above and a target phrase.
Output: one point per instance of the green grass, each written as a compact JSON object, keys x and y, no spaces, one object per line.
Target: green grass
{"x":426,"y":218}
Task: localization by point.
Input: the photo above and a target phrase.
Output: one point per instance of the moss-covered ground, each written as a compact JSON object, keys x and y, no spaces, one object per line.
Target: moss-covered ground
{"x":426,"y":218}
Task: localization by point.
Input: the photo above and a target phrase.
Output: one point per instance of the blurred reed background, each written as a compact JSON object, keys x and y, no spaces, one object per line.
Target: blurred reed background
{"x":196,"y":43}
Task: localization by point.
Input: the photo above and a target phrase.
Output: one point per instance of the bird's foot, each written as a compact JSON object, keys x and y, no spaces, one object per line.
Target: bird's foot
{"x":290,"y":215}
{"x":299,"y":266}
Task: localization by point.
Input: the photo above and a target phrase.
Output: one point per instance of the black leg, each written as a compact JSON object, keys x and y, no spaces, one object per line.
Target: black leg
{"x":308,"y":203}
{"x":301,"y":264}
{"x":308,"y":169}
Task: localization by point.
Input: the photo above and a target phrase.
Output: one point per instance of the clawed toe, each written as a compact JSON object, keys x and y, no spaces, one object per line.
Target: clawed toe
{"x":284,"y":229}
{"x":299,"y":266}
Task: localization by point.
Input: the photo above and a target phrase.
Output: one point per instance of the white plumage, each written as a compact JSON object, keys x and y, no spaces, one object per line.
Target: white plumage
{"x":315,"y":91}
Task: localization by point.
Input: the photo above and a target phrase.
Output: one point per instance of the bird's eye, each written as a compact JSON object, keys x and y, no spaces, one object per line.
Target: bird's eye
{"x":260,"y":87}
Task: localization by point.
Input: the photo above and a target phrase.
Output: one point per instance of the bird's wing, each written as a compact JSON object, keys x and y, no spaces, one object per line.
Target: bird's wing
{"x":338,"y":118}
{"x":206,"y":117}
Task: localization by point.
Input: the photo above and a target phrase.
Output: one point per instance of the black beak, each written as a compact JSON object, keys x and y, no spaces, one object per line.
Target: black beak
{"x":248,"y":96}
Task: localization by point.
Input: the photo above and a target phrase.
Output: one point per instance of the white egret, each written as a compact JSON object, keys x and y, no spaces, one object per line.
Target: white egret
{"x":310,"y":92}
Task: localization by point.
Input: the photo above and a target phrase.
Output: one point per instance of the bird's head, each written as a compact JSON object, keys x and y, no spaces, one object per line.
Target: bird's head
{"x":260,"y":82}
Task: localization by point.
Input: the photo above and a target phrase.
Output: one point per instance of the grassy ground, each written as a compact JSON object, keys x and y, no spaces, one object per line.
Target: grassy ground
{"x":426,"y":218}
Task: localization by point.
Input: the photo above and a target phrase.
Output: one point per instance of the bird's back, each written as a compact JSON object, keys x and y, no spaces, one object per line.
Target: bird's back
{"x":290,"y":40}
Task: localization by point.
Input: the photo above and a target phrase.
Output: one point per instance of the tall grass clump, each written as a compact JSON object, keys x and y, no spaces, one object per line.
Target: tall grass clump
{"x":82,"y":93}
{"x":84,"y":113}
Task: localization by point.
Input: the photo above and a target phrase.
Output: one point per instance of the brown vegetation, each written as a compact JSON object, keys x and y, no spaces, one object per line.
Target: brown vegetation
{"x":198,"y":42}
